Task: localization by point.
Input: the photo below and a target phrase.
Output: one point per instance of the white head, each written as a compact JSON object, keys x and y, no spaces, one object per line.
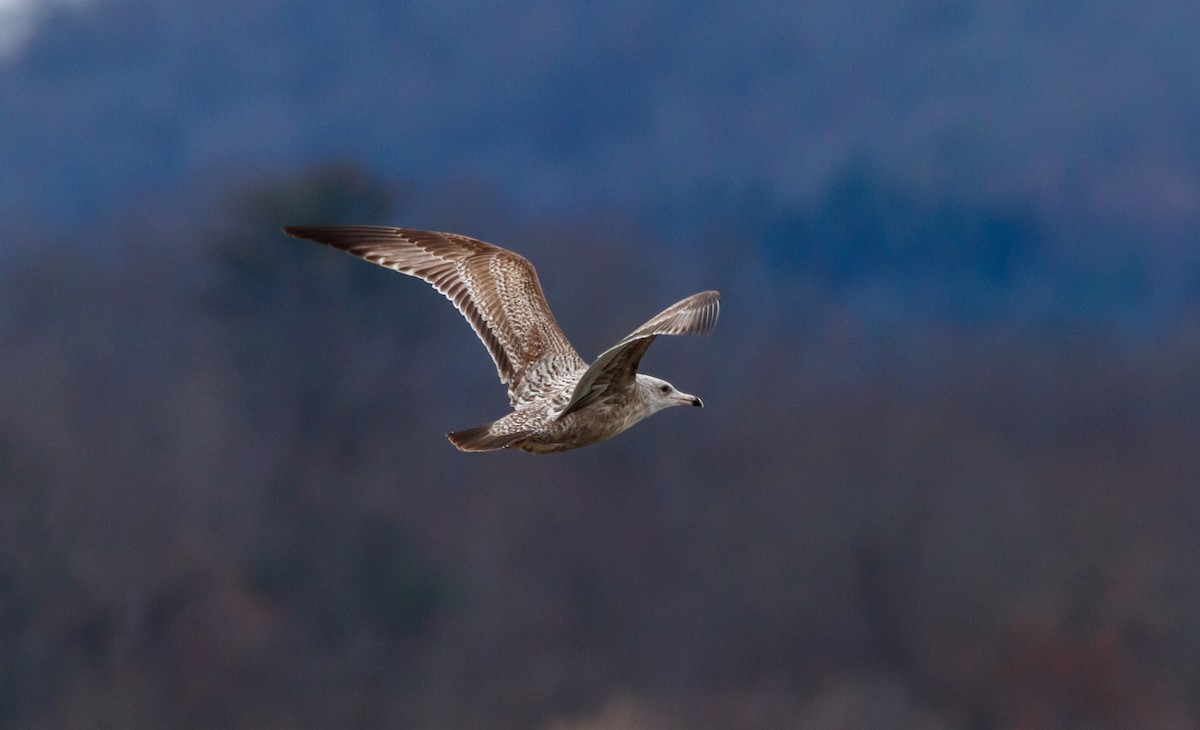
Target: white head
{"x":659,"y":394}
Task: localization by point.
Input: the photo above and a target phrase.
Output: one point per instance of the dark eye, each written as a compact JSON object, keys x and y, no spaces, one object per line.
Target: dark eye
{"x":665,"y":389}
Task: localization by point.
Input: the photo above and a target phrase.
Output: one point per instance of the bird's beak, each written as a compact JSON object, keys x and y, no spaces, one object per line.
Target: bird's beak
{"x":690,"y":400}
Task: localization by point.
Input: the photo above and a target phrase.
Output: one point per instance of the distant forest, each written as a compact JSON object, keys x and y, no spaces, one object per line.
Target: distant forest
{"x":952,"y":129}
{"x":227,"y":500}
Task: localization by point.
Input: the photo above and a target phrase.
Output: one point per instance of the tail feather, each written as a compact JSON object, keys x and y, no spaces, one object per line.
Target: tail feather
{"x":481,"y":438}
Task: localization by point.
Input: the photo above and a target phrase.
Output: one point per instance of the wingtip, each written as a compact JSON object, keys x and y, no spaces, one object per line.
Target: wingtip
{"x":296,"y":231}
{"x":335,"y":236}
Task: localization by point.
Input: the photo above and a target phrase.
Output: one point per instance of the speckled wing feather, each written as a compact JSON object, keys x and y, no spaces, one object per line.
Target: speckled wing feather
{"x":496,"y":290}
{"x":614,"y":370}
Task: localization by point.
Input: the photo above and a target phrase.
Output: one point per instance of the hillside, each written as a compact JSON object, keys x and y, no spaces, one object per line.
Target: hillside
{"x":1087,"y":112}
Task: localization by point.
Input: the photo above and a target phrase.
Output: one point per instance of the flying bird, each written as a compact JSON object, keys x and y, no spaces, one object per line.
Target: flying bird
{"x":559,"y":402}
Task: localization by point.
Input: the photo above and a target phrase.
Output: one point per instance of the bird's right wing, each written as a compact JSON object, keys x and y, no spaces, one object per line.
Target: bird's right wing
{"x":496,"y":290}
{"x":616,"y":367}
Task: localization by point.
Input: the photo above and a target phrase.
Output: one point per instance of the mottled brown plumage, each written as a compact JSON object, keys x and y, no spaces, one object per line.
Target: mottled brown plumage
{"x":558,"y":401}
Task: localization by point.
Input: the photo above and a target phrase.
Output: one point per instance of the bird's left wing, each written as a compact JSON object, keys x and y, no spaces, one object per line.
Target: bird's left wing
{"x":614,"y":370}
{"x":496,"y":290}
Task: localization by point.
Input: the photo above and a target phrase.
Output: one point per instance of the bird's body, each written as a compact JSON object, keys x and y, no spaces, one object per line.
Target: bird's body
{"x":559,"y":401}
{"x":548,"y":431}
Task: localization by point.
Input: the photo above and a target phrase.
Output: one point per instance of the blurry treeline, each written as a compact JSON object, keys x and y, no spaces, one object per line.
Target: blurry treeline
{"x":655,"y":105}
{"x":914,"y":500}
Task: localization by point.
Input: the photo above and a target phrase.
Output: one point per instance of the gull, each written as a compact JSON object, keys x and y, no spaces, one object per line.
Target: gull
{"x":559,"y":402}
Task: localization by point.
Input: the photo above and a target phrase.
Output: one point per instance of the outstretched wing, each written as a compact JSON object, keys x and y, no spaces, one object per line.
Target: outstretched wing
{"x":614,"y":370}
{"x":495,"y":289}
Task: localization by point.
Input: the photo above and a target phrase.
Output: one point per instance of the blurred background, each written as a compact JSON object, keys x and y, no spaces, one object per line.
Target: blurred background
{"x":948,"y":475}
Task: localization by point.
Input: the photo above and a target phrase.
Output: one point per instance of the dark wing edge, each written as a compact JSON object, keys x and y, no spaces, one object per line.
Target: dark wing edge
{"x":616,"y":366}
{"x":469,"y":273}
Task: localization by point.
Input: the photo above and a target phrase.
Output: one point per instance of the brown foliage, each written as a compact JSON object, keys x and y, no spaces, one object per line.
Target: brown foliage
{"x":226,"y":501}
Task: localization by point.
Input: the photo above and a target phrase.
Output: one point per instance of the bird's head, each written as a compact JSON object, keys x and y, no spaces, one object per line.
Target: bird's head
{"x":660,"y":394}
